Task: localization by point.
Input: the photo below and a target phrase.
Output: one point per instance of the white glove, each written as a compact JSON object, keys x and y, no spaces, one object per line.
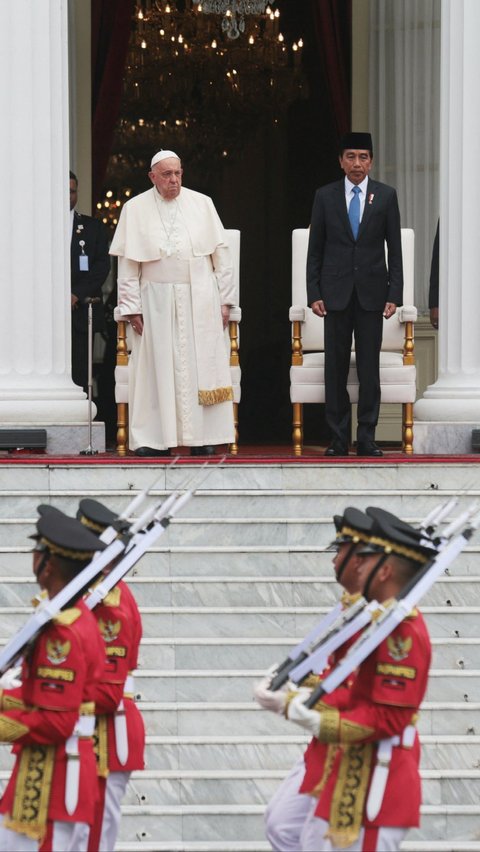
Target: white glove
{"x":303,"y":716}
{"x":273,"y":701}
{"x":10,"y":680}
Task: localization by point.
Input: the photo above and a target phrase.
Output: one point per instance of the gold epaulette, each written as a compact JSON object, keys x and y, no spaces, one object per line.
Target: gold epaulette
{"x":348,"y":600}
{"x":113,"y":597}
{"x":67,"y":616}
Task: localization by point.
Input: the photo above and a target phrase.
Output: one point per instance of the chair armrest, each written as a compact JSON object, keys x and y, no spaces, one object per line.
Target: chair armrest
{"x":297,"y":313}
{"x":235,"y":313}
{"x":407,"y":313}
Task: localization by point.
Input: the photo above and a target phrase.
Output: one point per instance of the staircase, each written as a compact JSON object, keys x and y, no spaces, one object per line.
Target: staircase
{"x":233,"y":583}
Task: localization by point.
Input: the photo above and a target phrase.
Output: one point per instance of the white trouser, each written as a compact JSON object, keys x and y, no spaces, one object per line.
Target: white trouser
{"x":314,"y":831}
{"x":287,"y":811}
{"x":115,"y":787}
{"x":67,"y":837}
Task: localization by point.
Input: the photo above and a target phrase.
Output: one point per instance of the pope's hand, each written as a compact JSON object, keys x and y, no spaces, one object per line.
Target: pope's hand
{"x":308,"y":719}
{"x":10,"y":680}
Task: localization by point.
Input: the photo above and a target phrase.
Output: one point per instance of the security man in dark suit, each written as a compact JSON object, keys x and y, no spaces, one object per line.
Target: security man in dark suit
{"x":90,"y":265}
{"x":350,"y":285}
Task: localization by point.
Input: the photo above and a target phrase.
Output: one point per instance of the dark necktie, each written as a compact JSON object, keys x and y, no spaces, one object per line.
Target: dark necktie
{"x":354,"y":210}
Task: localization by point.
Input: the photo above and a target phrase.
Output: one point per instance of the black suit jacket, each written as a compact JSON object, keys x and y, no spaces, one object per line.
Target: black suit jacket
{"x":337,"y":263}
{"x":84,"y":285}
{"x":434,"y":270}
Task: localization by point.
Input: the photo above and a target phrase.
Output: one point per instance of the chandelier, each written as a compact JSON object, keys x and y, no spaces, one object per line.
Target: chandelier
{"x":234,"y":11}
{"x":189,"y":87}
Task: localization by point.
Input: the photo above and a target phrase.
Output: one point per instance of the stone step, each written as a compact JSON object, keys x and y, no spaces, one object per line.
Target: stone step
{"x":454,"y":478}
{"x":228,"y":822}
{"x":248,"y":591}
{"x":246,"y":718}
{"x":225,"y":685}
{"x":176,"y":787}
{"x":258,"y":786}
{"x":179,"y":717}
{"x":231,"y":530}
{"x":262,"y":652}
{"x":259,"y":561}
{"x":443,"y":622}
{"x":249,"y":753}
{"x":264,"y":846}
{"x":250,"y":503}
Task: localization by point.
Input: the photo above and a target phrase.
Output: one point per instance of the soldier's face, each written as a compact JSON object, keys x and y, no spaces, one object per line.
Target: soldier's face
{"x":348,"y":578}
{"x":356,"y":164}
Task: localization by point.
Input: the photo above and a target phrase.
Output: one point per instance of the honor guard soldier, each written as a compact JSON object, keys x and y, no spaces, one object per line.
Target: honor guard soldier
{"x":50,"y":797}
{"x":370,"y":791}
{"x":293,"y":802}
{"x":119,"y":735}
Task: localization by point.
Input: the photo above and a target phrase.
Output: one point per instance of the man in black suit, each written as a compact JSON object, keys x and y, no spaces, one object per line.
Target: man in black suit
{"x":349,"y":284}
{"x":90,"y":265}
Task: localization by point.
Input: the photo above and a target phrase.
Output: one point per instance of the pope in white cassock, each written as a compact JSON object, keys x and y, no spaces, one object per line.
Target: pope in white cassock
{"x":175,"y":289}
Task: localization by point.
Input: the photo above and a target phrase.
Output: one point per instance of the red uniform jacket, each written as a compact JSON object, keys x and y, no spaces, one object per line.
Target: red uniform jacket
{"x":59,"y":675}
{"x":120,"y":625}
{"x":384,"y":699}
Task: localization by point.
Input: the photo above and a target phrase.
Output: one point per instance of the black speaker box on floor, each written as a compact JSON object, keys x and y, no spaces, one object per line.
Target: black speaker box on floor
{"x":19,"y":439}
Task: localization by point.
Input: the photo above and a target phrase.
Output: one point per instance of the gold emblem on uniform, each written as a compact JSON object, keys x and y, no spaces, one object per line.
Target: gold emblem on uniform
{"x":57,"y":652}
{"x":398,"y":648}
{"x":109,"y":629}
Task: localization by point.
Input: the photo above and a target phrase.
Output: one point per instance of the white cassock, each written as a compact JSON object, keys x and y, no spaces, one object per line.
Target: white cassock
{"x":175,"y":268}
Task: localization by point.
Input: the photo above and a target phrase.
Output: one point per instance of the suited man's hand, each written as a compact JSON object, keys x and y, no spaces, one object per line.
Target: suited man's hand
{"x":434,"y":317}
{"x":389,"y":310}
{"x":74,"y":300}
{"x":318,"y":308}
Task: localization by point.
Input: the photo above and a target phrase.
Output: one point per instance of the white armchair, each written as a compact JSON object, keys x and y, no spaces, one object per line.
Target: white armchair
{"x":232,"y":339}
{"x":397,"y":361}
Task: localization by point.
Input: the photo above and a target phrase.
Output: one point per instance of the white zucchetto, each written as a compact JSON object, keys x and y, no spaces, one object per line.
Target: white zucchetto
{"x":162,"y":155}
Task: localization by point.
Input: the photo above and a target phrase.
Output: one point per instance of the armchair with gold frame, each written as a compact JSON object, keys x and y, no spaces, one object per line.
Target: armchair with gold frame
{"x":397,"y":361}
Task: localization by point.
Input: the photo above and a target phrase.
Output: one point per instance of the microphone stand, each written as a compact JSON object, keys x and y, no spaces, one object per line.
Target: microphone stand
{"x":90,"y":302}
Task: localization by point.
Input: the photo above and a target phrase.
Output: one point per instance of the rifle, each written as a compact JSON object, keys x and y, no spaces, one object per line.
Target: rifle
{"x":398,"y":609}
{"x":312,"y":653}
{"x":147,"y":530}
{"x":49,"y":607}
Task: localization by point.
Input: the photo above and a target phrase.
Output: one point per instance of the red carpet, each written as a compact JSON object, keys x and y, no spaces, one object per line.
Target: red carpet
{"x":246,"y":455}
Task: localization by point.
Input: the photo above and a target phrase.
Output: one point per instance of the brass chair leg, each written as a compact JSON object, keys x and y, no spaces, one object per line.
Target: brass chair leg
{"x":297,"y":432}
{"x":122,"y":428}
{"x":234,"y":447}
{"x":407,"y":428}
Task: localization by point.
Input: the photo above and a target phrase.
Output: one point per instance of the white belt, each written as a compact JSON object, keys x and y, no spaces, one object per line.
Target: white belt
{"x":72,"y":777}
{"x":121,"y":733}
{"x":382,"y":768}
{"x":84,"y":727}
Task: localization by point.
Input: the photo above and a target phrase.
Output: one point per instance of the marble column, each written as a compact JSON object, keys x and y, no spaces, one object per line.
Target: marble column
{"x":450,"y":408}
{"x":36,"y":388}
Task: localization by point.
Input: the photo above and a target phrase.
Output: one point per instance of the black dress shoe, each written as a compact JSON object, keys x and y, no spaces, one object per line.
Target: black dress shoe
{"x":336,"y":448}
{"x":368,"y":448}
{"x":207,"y":450}
{"x":150,"y":451}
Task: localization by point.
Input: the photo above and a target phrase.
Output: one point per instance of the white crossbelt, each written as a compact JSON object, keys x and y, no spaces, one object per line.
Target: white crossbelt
{"x":129,"y":687}
{"x":382,"y":768}
{"x":84,"y":727}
